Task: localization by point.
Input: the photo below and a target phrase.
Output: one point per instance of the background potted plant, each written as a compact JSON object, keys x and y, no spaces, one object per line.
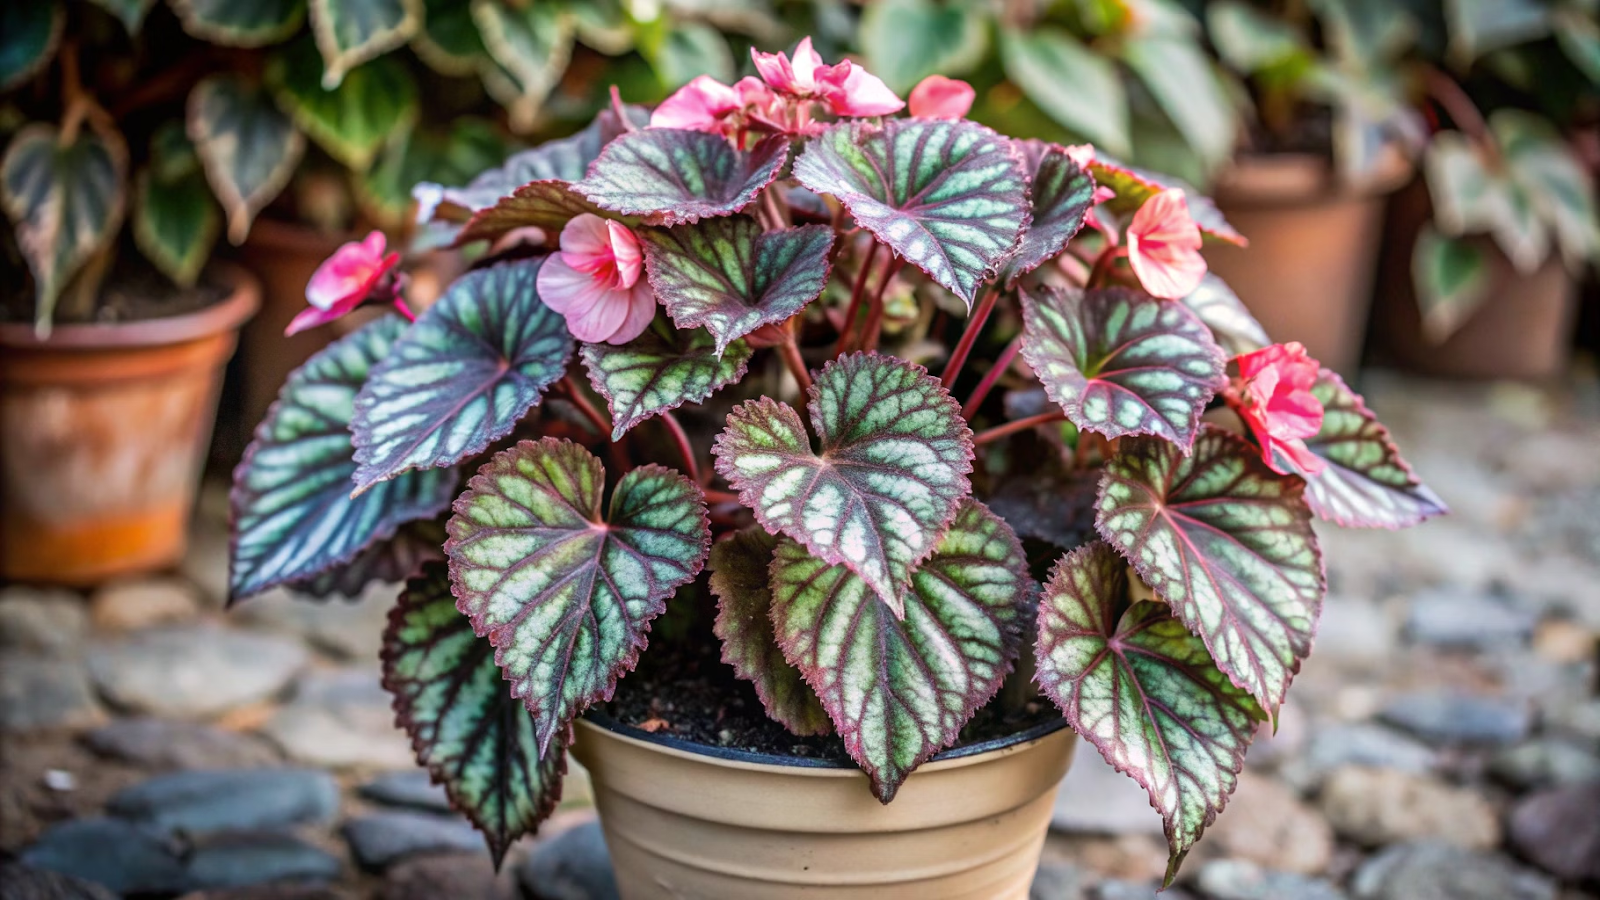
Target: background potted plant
{"x":758,"y":256}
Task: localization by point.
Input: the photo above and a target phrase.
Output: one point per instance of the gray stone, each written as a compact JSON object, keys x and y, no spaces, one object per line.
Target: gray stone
{"x":22,"y":882}
{"x":382,"y":839}
{"x":1577,"y":718}
{"x":1097,"y":799}
{"x":1235,"y":879}
{"x":573,"y":865}
{"x":1449,"y":618}
{"x":1373,"y":807}
{"x":229,"y":800}
{"x":45,"y":691}
{"x":142,"y":603}
{"x":1559,"y":831}
{"x":42,"y":620}
{"x":1353,"y":629}
{"x":351,"y":630}
{"x":205,"y":561}
{"x":1430,"y":871}
{"x":1543,"y":762}
{"x":194,"y":671}
{"x":164,"y":744}
{"x":1271,"y":827}
{"x":458,"y":876}
{"x":238,"y":860}
{"x":341,"y":719}
{"x":279,"y":891}
{"x":1361,"y":744}
{"x":1122,"y":889}
{"x":1057,"y":881}
{"x":1447,"y":717}
{"x":118,"y":855}
{"x":410,"y":788}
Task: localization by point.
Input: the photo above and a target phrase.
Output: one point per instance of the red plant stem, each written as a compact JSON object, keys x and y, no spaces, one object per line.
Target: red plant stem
{"x":874,"y":323}
{"x":684,"y":447}
{"x":1103,"y":264}
{"x":1447,"y":93}
{"x":991,"y":377}
{"x":856,"y":294}
{"x":975,"y":322}
{"x":714,"y":496}
{"x":404,"y":310}
{"x":790,"y":351}
{"x":1010,"y":428}
{"x":575,"y":396}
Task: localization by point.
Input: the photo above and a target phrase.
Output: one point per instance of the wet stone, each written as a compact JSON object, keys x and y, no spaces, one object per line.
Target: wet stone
{"x":229,"y":800}
{"x":1445,"y":717}
{"x":1431,"y":871}
{"x":118,"y":855}
{"x":1361,"y":744}
{"x":410,"y":788}
{"x":573,"y":865}
{"x":164,"y":744}
{"x":382,"y":839}
{"x":345,"y":629}
{"x":194,"y":671}
{"x":236,"y":859}
{"x":1559,"y":831}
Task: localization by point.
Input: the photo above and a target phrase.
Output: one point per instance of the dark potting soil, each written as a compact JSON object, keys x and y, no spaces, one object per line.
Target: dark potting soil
{"x":131,"y":293}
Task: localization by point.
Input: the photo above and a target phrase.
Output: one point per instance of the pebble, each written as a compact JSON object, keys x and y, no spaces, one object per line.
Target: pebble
{"x":1432,"y":871}
{"x":341,"y":719}
{"x":409,"y":788}
{"x":205,"y":802}
{"x":237,"y":860}
{"x":1446,"y":717}
{"x":382,"y":839}
{"x":205,"y":562}
{"x":1272,"y":748}
{"x":1566,"y":641}
{"x":1361,"y":744}
{"x":1543,"y":762}
{"x":45,"y":691}
{"x":1352,"y":629}
{"x":349,"y":630}
{"x":1577,"y":718}
{"x":1373,"y":807}
{"x":1233,"y":879}
{"x":194,"y":671}
{"x":28,"y":883}
{"x":119,"y":855}
{"x":458,"y":876}
{"x":1266,"y":824}
{"x":1559,"y":831}
{"x":573,"y":865}
{"x":164,"y":744}
{"x":131,"y":605}
{"x":42,"y":620}
{"x":1057,"y":881}
{"x":1122,"y":889}
{"x":1445,"y":618}
{"x":1094,"y":798}
{"x":271,"y":892}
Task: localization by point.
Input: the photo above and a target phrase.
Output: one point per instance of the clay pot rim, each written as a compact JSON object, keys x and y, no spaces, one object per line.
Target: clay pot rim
{"x":242,"y":301}
{"x":749,"y":759}
{"x":1293,"y":178}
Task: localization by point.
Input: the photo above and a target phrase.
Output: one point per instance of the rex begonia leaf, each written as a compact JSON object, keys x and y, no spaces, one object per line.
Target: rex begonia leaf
{"x":661,"y":369}
{"x":951,"y":197}
{"x":1133,"y":186}
{"x":350,"y":32}
{"x":387,"y":561}
{"x":473,"y":736}
{"x":565,"y":594}
{"x":898,"y":689}
{"x":547,"y":205}
{"x":729,"y":276}
{"x":1121,"y":362}
{"x":739,"y":578}
{"x":248,"y":146}
{"x":293,"y":515}
{"x":671,"y":176}
{"x":1226,"y":542}
{"x":891,"y":473}
{"x":1231,"y":323}
{"x":1060,"y":194}
{"x":240,"y":23}
{"x":1133,"y":681}
{"x":473,"y":365}
{"x":32,"y":33}
{"x":352,"y":122}
{"x":1366,"y":483}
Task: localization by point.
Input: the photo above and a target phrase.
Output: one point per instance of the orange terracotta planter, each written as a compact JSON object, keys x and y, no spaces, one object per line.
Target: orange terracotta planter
{"x":103,"y":433}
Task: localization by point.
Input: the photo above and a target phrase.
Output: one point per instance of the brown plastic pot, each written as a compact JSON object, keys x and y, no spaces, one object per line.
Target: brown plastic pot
{"x":685,"y":820}
{"x":1308,"y":272}
{"x":103,"y":432}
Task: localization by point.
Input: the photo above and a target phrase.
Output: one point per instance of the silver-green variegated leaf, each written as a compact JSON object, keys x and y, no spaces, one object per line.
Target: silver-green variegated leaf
{"x":1121,"y":362}
{"x":898,"y":689}
{"x":175,"y":224}
{"x":661,"y":370}
{"x":530,"y":44}
{"x":466,"y":728}
{"x":1545,"y":166}
{"x":1133,"y":681}
{"x":890,"y":474}
{"x":739,"y":569}
{"x":1451,"y":277}
{"x":448,"y":39}
{"x":248,"y":146}
{"x":1234,"y":328}
{"x":461,"y":377}
{"x":385,"y":562}
{"x":32,"y":33}
{"x":566,"y":594}
{"x":372,"y":104}
{"x":950,"y":197}
{"x":240,"y":23}
{"x":1473,"y":193}
{"x":545,"y":205}
{"x":1060,"y":195}
{"x":1227,"y":543}
{"x":350,"y":32}
{"x":729,"y":276}
{"x":1182,"y":80}
{"x":670,"y":176}
{"x":293,"y":515}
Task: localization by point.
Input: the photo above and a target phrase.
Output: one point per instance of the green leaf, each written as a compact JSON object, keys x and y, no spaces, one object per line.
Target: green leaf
{"x":661,"y":370}
{"x":248,"y":147}
{"x":465,"y":726}
{"x":1470,"y":195}
{"x":372,"y":103}
{"x":129,"y":12}
{"x":1073,"y":84}
{"x":532,"y":43}
{"x":905,"y":41}
{"x":1183,"y":83}
{"x":1579,"y":37}
{"x":891,"y":472}
{"x":728,"y":275}
{"x":448,"y":39}
{"x":607,"y":26}
{"x":1231,"y":323}
{"x":462,"y":377}
{"x":1251,"y":40}
{"x":1478,"y":27}
{"x":950,"y":197}
{"x":1121,"y":362}
{"x":240,"y":23}
{"x":1228,"y":544}
{"x":565,"y":595}
{"x":32,"y":31}
{"x":1366,"y":483}
{"x":1132,"y":186}
{"x":672,"y":177}
{"x":899,"y":688}
{"x":445,"y":159}
{"x":65,"y":202}
{"x":1060,"y":195}
{"x":175,"y":224}
{"x":689,"y":50}
{"x":350,"y":32}
{"x":739,"y":567}
{"x":1548,"y":172}
{"x":1452,"y":281}
{"x":546,"y":205}
{"x":294,"y":517}
{"x":385,"y":562}
{"x":1144,"y":691}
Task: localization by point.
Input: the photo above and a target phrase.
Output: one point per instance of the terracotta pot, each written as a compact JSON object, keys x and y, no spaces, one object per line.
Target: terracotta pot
{"x":1308,"y":272}
{"x":689,"y":821}
{"x":103,"y":432}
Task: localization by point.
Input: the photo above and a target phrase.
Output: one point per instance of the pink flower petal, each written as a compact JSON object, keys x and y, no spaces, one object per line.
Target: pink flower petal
{"x":1272,"y":395}
{"x":938,"y":97}
{"x":626,"y":254}
{"x":864,"y":94}
{"x":775,"y":70}
{"x":311,"y":317}
{"x":352,"y":270}
{"x":1164,"y":246}
{"x":641,"y":312}
{"x":699,"y":105}
{"x":566,"y":290}
{"x":601,"y":319}
{"x":586,"y":243}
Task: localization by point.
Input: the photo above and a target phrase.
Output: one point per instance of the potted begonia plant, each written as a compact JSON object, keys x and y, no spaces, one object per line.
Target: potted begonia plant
{"x":762,"y":472}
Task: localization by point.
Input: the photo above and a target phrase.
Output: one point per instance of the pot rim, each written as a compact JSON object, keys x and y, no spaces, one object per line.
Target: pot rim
{"x":1293,"y":177}
{"x":242,"y":301}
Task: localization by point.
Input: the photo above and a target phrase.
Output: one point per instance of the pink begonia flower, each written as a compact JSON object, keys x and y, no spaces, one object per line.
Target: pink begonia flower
{"x":846,"y":89}
{"x":596,"y":281}
{"x":344,"y":281}
{"x":1273,"y":396}
{"x":706,"y":104}
{"x":1164,"y":246}
{"x":938,"y":97}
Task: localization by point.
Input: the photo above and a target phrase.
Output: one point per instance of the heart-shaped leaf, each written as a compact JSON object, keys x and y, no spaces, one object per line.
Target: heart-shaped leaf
{"x":1453,"y":280}
{"x":739,"y":568}
{"x":373,"y":103}
{"x":546,"y":205}
{"x":474,"y":737}
{"x":951,"y":197}
{"x":350,"y":32}
{"x":175,"y":224}
{"x":1121,"y":362}
{"x":890,"y":475}
{"x":1144,"y":691}
{"x":670,"y":176}
{"x":661,"y":369}
{"x":1060,"y":195}
{"x":899,"y":691}
{"x":730,"y":277}
{"x":240,"y":23}
{"x":1231,"y":323}
{"x":448,"y":39}
{"x":32,"y":33}
{"x":248,"y":147}
{"x":1042,"y":59}
{"x":1133,"y":186}
{"x":1225,"y":541}
{"x":293,"y":516}
{"x":462,"y":376}
{"x":565,"y":595}
{"x":1366,"y":483}
{"x":389,"y":561}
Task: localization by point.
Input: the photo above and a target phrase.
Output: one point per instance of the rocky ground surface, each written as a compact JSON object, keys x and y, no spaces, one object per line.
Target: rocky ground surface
{"x":1443,"y":742}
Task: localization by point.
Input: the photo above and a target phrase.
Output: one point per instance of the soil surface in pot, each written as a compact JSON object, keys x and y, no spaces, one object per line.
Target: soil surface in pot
{"x":130,"y":294}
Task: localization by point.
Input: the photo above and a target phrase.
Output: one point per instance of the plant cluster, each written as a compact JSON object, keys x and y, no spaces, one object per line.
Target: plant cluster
{"x":772,"y":261}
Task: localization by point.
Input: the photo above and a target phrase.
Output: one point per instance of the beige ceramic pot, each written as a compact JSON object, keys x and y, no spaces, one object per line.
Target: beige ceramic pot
{"x":692,"y":822}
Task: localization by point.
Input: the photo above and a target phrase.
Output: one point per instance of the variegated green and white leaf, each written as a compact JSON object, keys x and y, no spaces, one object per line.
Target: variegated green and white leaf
{"x":248,"y":146}
{"x":350,"y":32}
{"x":448,"y":39}
{"x":175,"y":224}
{"x":670,"y":177}
{"x":1451,"y":278}
{"x":661,"y":370}
{"x":1544,"y":165}
{"x":32,"y":33}
{"x":531,"y":44}
{"x":1043,"y":59}
{"x":1231,"y":323}
{"x":386,"y":562}
{"x":1060,"y":195}
{"x":373,"y":103}
{"x":240,"y":23}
